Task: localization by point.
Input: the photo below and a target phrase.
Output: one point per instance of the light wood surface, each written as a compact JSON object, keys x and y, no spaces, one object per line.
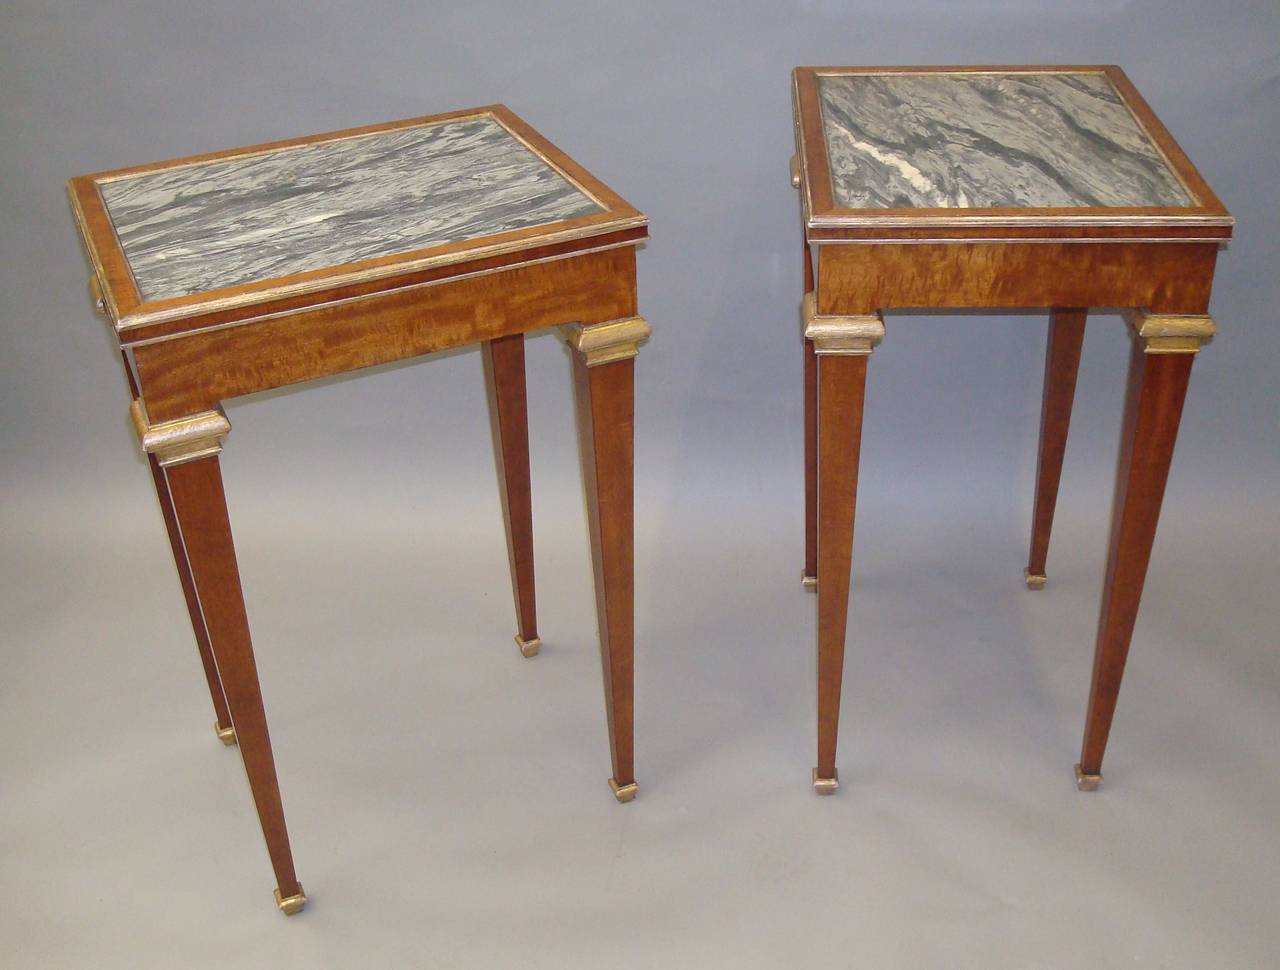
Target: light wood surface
{"x":864,"y":278}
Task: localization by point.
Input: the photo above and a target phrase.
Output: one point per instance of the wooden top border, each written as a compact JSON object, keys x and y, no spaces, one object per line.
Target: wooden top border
{"x":1207,"y":219}
{"x":134,"y":318}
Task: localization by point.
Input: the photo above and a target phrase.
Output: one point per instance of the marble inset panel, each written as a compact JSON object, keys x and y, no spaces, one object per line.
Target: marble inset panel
{"x":962,"y":140}
{"x":233,"y":221}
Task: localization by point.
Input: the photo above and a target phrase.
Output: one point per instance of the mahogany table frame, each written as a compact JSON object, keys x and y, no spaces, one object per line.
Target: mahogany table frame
{"x":1156,"y":264}
{"x":184,"y":356}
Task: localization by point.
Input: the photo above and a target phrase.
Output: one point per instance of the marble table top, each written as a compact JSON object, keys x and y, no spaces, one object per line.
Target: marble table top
{"x":976,"y":140}
{"x":226,"y":222}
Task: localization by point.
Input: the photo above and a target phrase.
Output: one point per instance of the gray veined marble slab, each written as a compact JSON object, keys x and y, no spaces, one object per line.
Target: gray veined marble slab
{"x":223,"y":223}
{"x":960,"y":140}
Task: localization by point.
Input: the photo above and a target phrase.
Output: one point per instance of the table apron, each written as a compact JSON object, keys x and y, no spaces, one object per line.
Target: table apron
{"x":866,"y":278}
{"x":193,"y":372}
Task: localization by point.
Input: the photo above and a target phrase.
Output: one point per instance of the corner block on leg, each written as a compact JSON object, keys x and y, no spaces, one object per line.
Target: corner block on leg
{"x":855,"y":336}
{"x":183,"y":440}
{"x":605,"y":343}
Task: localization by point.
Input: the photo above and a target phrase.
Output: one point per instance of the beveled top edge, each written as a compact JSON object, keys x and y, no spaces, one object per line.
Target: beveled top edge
{"x":1007,"y":219}
{"x":335,"y":280}
{"x":1209,"y":212}
{"x":128,"y":311}
{"x":960,"y":69}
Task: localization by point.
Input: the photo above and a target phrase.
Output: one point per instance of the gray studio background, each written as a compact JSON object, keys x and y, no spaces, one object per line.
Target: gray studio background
{"x":447,"y":799}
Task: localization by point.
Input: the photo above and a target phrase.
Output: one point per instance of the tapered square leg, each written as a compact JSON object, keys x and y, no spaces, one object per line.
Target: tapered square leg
{"x":604,"y":366}
{"x":842,"y":346}
{"x":222,"y":726}
{"x":200,"y":510}
{"x":509,"y":415}
{"x":809,"y":575}
{"x":1062,"y":363}
{"x":1159,"y":370}
{"x":841,"y":384}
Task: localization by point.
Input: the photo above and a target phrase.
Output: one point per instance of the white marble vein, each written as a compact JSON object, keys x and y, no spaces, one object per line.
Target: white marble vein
{"x":988,"y":141}
{"x":225,"y":223}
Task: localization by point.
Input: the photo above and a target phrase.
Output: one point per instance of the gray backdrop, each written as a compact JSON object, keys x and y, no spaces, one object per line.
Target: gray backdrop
{"x":447,"y":799}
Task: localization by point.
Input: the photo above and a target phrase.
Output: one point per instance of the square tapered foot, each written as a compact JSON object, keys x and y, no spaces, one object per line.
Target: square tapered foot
{"x":1087,"y":782}
{"x":1034,"y":580}
{"x":291,"y":904}
{"x":623,"y":793}
{"x":528,"y":647}
{"x":227,"y":735}
{"x":809,"y":582}
{"x":826,"y":786}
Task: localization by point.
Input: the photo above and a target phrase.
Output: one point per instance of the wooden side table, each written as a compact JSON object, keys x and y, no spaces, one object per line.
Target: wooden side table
{"x":1044,"y":186}
{"x":238,"y":271}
